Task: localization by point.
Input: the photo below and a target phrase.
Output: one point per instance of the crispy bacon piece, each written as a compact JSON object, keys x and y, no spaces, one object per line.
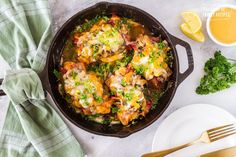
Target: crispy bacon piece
{"x":131,"y":46}
{"x":63,"y":70}
{"x":75,"y":38}
{"x":149,"y":105}
{"x":155,"y":39}
{"x":111,"y":22}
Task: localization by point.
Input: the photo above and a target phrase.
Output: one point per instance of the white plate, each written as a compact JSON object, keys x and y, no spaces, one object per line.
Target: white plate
{"x":187,"y":124}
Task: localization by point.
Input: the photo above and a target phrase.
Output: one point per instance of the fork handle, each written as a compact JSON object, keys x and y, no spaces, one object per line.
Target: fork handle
{"x":168,"y":151}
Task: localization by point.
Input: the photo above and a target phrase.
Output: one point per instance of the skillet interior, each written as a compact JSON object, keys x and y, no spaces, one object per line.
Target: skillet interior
{"x":55,"y":53}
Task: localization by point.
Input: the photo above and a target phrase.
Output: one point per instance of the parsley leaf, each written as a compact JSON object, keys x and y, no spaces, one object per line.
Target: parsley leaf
{"x":89,"y":23}
{"x":57,"y":74}
{"x":114,"y":109}
{"x":161,"y":45}
{"x":140,"y":69}
{"x":98,"y":98}
{"x":106,"y":121}
{"x":220,"y":74}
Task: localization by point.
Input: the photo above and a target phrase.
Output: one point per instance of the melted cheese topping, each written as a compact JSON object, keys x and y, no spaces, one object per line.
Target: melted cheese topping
{"x":128,"y":88}
{"x":150,"y":59}
{"x":86,"y":90}
{"x":102,"y":41}
{"x":82,"y":86}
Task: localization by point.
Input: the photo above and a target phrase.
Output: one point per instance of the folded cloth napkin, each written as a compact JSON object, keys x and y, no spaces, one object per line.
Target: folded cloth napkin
{"x":32,"y":128}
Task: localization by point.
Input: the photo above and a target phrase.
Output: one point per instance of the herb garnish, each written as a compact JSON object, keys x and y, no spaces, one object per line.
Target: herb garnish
{"x":161,"y":45}
{"x":73,"y":74}
{"x":103,"y":69}
{"x":106,"y":121}
{"x":114,"y":109}
{"x":140,"y":69}
{"x":220,"y":74}
{"x":57,"y":74}
{"x":89,"y":23}
{"x":98,"y":98}
{"x":123,"y":83}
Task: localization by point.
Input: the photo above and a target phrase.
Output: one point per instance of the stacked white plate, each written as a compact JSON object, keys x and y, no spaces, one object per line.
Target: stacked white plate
{"x":187,"y":124}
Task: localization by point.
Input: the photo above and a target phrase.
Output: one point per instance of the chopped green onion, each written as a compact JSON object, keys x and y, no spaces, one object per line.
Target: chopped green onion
{"x":123,"y":83}
{"x":98,"y":98}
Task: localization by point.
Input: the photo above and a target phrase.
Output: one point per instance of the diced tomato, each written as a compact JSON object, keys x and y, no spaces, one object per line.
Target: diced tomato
{"x":63,"y":70}
{"x":149,"y":105}
{"x":75,"y":39}
{"x":155,"y":39}
{"x":111,"y":22}
{"x":127,"y":38}
{"x":128,"y":68}
{"x":131,"y":46}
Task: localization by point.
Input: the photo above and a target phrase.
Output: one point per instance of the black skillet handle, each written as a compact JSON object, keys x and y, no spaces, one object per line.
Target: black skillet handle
{"x":177,"y":41}
{"x":1,"y":91}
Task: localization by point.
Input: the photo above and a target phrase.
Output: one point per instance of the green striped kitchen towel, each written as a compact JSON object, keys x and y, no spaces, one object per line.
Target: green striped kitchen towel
{"x":31,"y":128}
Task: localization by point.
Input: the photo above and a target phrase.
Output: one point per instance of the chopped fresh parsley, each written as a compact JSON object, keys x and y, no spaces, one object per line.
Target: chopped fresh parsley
{"x":112,"y":93}
{"x":83,"y":96}
{"x":140,"y":69}
{"x":152,"y":57}
{"x":125,"y":60}
{"x":92,"y":117}
{"x":114,"y":109}
{"x":101,"y":69}
{"x":68,"y":99}
{"x":122,"y":21}
{"x":161,"y":45}
{"x":154,"y":106}
{"x":169,"y":58}
{"x":89,"y":87}
{"x":73,"y":74}
{"x":141,"y":54}
{"x":77,"y":83}
{"x":95,"y":49}
{"x":98,"y":98}
{"x":128,"y":96}
{"x":106,"y":121}
{"x":121,"y":92}
{"x":89,"y":23}
{"x":57,"y":74}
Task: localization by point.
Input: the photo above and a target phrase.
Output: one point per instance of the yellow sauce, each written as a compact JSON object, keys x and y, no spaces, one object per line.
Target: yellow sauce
{"x":223,"y":25}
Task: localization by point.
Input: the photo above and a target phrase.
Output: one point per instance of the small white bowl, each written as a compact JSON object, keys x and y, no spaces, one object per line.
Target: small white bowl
{"x":208,"y":26}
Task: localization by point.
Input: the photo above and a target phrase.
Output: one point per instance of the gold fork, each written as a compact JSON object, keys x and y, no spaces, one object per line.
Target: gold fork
{"x":208,"y":136}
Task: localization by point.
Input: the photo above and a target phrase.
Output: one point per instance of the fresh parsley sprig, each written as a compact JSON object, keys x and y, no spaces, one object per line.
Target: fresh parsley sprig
{"x":220,"y":74}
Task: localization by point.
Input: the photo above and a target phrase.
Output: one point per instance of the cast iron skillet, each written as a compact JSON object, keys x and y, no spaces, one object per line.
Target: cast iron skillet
{"x":50,"y":83}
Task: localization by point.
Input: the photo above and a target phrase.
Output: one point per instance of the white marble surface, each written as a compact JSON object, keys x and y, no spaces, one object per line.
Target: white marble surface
{"x":168,"y":13}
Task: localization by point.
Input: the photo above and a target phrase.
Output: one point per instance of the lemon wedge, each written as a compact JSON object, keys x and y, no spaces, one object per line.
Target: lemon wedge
{"x":198,"y":36}
{"x":193,"y":20}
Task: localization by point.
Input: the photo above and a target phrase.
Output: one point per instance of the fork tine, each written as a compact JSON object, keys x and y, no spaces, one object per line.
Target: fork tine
{"x":222,"y":133}
{"x":220,"y":137}
{"x":220,"y":127}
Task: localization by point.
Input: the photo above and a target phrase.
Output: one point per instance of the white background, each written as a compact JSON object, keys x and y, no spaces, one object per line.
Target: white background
{"x":168,"y":13}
